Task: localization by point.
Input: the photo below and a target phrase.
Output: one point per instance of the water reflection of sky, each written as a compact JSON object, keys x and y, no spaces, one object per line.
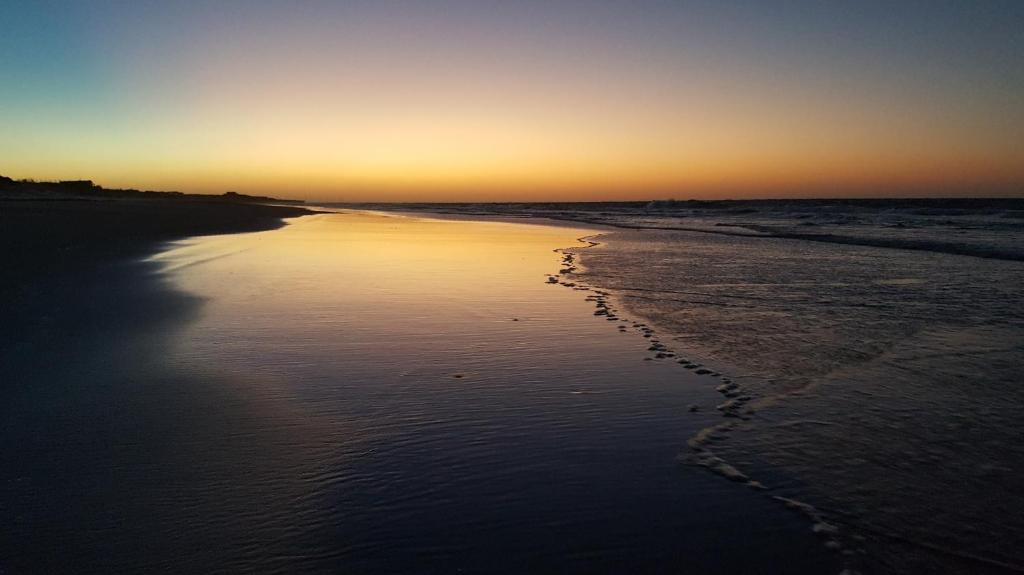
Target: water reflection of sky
{"x":435,"y":404}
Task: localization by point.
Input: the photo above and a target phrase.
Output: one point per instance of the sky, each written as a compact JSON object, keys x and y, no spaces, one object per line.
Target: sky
{"x":517,"y":101}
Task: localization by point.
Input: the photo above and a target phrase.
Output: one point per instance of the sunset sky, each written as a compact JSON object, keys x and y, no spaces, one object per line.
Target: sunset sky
{"x":480,"y":100}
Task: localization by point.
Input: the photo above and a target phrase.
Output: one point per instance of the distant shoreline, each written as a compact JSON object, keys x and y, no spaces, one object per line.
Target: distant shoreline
{"x":20,"y":190}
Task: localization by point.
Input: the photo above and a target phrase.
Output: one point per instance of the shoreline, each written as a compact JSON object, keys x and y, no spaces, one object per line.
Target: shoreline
{"x":47,"y":233}
{"x":85,"y":326}
{"x":569,"y":262}
{"x":856,"y":536}
{"x":851,"y":526}
{"x":57,"y":250}
{"x":140,"y":316}
{"x":733,"y":409}
{"x":70,"y":296}
{"x":738,"y":404}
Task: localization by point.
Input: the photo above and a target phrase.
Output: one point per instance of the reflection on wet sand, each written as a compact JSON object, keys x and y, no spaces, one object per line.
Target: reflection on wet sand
{"x":451,"y":406}
{"x":364,"y":393}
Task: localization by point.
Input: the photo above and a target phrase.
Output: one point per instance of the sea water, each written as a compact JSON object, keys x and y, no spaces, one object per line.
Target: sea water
{"x":879,"y":361}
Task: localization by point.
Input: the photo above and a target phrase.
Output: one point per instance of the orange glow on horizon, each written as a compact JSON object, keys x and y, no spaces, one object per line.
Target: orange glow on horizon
{"x":412,"y":106}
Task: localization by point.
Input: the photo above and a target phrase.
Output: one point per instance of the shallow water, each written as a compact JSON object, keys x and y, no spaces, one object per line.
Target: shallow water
{"x":887,"y":381}
{"x":372,"y":394}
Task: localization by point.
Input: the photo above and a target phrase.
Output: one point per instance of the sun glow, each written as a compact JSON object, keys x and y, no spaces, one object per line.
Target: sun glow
{"x":418,"y":104}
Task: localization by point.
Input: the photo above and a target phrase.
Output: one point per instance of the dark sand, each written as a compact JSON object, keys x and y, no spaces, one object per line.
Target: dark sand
{"x":78,"y":308}
{"x":54,"y":252}
{"x":39,"y":235}
{"x":125,"y":434}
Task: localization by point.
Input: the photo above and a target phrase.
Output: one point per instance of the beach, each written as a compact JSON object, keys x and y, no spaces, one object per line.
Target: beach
{"x":65,"y":260}
{"x":868,"y":351}
{"x":367,"y":393}
{"x":879,"y":372}
{"x":410,"y":389}
{"x":513,"y":287}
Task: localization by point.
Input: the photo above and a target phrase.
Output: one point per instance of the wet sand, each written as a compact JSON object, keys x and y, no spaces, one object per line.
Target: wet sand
{"x":362,"y":397}
{"x":81,"y":313}
{"x":869,"y":374}
{"x":55,"y":251}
